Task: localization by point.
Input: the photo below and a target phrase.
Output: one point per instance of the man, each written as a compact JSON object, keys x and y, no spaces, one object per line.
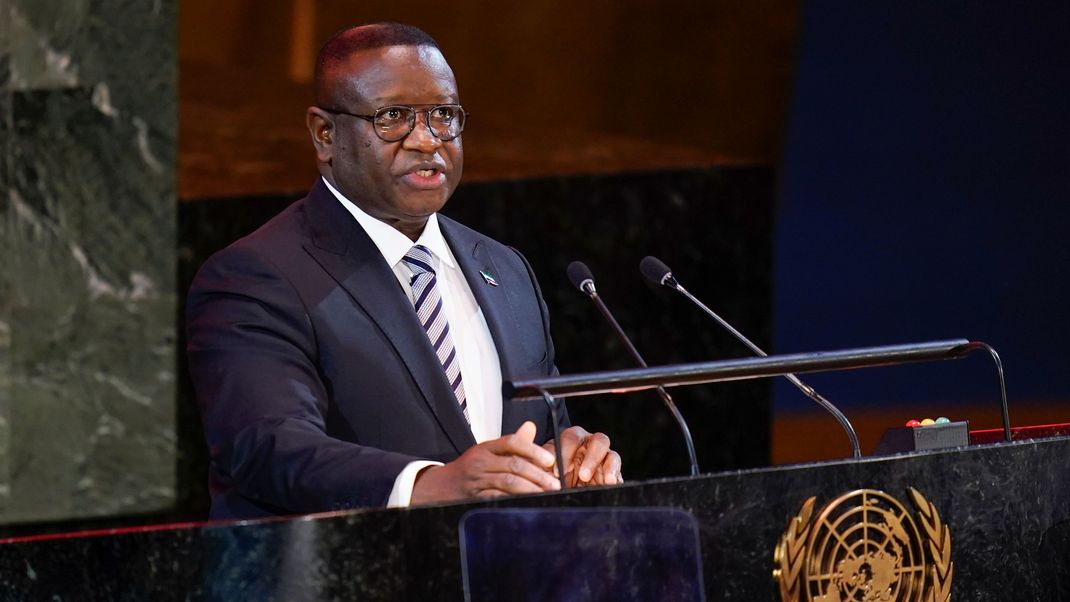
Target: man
{"x":351,"y":351}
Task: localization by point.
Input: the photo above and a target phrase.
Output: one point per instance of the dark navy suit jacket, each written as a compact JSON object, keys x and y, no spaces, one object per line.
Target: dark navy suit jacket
{"x":317,"y":383}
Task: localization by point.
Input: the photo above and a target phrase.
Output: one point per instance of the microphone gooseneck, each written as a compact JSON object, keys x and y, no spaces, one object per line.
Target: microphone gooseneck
{"x":580,"y":276}
{"x":656,"y":272}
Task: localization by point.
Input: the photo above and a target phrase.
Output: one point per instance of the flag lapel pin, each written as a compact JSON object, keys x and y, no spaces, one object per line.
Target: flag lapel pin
{"x":488,"y":278}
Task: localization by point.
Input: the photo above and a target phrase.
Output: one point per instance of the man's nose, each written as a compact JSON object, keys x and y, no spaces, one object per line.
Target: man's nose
{"x":421,"y":138}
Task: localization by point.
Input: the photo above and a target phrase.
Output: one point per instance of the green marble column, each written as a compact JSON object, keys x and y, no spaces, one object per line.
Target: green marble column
{"x":87,"y":258}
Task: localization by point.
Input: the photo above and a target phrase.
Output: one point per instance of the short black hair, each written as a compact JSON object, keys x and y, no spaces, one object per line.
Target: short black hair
{"x":343,"y":44}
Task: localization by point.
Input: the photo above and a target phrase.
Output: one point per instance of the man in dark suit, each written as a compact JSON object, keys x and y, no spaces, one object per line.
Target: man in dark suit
{"x":351,"y":351}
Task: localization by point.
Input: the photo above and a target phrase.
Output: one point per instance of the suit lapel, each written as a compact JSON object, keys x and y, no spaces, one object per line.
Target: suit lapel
{"x":346,"y":252}
{"x":475,"y":256}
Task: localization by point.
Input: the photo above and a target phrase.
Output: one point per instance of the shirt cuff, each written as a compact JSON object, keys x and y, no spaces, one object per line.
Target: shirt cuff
{"x":401,"y":494}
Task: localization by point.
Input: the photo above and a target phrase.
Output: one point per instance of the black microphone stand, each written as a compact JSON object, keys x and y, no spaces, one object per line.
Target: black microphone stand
{"x":651,"y":267}
{"x":586,"y":285}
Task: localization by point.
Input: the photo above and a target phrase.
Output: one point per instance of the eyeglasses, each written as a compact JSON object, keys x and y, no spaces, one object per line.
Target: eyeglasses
{"x":394,"y":122}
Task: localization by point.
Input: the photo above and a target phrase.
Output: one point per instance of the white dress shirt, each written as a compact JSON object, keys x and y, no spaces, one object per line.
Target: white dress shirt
{"x":480,"y":369}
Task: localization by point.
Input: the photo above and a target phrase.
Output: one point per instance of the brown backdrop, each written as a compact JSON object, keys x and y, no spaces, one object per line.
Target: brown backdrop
{"x":555,"y":87}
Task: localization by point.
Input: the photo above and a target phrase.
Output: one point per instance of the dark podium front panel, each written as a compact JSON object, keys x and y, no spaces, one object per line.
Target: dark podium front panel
{"x":615,"y":553}
{"x":1006,"y":507}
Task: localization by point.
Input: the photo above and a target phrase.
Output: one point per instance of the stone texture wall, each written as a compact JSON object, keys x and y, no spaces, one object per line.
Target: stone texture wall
{"x":87,"y":258}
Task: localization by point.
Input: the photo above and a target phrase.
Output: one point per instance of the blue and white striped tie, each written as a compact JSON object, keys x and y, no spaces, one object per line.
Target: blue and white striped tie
{"x":428,"y":303}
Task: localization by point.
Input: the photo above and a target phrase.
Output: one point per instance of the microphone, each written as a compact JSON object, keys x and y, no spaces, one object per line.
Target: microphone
{"x":580,"y":276}
{"x":657,"y":273}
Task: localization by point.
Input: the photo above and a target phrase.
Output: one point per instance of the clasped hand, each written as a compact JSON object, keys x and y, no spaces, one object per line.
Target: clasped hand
{"x":514,"y":464}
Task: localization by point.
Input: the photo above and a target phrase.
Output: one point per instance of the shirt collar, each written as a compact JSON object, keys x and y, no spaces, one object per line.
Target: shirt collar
{"x":391,"y":243}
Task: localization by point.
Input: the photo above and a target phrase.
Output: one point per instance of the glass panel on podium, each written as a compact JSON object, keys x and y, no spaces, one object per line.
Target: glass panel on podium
{"x":580,"y":554}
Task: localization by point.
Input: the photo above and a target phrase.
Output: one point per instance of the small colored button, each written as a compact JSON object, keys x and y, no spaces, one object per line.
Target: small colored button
{"x":927,"y":422}
{"x":942,"y":420}
{"x":913,"y":423}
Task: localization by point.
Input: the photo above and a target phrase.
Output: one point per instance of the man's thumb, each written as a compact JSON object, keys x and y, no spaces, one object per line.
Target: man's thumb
{"x":527,"y":431}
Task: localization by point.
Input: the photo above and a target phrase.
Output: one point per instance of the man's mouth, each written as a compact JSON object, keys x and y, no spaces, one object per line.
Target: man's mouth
{"x":425,"y":179}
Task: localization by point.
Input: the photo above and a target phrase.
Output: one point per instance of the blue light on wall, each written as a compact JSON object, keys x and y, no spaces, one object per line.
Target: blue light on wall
{"x":925,"y":194}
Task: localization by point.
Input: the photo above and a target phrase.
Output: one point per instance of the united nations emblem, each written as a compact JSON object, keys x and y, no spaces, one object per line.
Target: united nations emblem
{"x":864,"y":546}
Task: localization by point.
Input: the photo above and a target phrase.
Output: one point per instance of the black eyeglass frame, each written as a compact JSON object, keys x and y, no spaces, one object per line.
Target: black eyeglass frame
{"x":412,"y":120}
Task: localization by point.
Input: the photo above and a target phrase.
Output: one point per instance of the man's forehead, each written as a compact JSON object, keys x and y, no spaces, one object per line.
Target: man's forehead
{"x":427,"y":55}
{"x":390,"y":74}
{"x":387,"y":62}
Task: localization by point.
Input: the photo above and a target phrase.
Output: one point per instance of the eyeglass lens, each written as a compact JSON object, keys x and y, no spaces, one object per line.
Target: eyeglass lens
{"x":394,"y":123}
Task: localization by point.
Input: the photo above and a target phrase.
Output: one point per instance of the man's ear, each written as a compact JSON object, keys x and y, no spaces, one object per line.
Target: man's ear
{"x":321,"y":127}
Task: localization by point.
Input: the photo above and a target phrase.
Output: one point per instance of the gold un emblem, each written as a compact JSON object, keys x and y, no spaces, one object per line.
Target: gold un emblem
{"x":864,"y":546}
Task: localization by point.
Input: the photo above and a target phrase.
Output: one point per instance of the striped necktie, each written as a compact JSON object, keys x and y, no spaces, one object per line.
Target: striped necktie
{"x":428,"y":304}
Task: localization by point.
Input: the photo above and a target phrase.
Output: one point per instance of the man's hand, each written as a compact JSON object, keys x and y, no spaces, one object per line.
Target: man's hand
{"x":512,"y":464}
{"x":588,"y":458}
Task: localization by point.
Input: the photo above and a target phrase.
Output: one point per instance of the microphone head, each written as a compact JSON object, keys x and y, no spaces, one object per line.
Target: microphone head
{"x":655,"y":271}
{"x":581,"y":277}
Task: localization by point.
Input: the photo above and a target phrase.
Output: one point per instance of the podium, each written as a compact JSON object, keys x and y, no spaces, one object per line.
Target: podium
{"x":1005,"y":508}
{"x":1006,"y":505}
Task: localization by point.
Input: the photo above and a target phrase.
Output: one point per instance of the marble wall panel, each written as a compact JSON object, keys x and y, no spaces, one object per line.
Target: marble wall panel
{"x":87,"y":292}
{"x":5,"y":289}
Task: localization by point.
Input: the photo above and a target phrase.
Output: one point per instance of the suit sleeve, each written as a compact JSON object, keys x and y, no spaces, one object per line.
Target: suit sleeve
{"x":252,"y":356}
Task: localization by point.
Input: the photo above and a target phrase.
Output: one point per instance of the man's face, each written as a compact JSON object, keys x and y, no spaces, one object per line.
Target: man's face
{"x":402,"y":182}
